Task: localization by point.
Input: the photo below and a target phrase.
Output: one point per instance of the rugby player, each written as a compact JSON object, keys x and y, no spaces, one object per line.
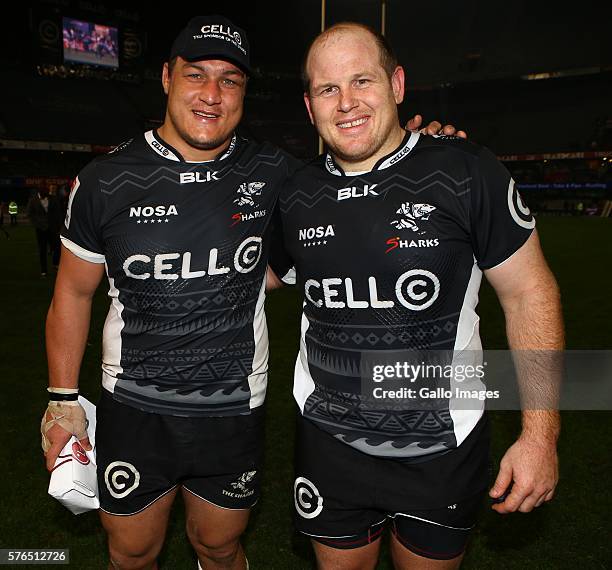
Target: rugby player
{"x":178,"y":219}
{"x":388,"y":235}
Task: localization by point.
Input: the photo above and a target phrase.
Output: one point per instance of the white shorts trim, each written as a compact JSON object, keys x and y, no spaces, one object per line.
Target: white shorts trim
{"x":430,"y":522}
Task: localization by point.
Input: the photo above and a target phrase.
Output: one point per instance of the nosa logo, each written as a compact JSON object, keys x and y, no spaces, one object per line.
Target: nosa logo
{"x":318,"y":232}
{"x":148,"y":211}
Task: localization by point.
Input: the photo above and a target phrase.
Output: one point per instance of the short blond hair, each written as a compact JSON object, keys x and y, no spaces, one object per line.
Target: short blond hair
{"x":387,"y":57}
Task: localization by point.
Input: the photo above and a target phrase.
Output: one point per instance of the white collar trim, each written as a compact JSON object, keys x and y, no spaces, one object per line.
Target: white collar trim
{"x":400,"y":154}
{"x":165,"y":152}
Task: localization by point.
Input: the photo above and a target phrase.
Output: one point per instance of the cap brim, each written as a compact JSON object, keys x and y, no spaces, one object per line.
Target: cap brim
{"x":221,"y":56}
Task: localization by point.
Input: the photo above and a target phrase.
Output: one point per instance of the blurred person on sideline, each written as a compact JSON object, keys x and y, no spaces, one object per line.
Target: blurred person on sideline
{"x":13,"y":210}
{"x":45,"y":214}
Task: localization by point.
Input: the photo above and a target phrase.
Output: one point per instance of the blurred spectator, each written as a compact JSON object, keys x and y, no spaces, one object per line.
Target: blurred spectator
{"x":13,"y":211}
{"x":45,"y":213}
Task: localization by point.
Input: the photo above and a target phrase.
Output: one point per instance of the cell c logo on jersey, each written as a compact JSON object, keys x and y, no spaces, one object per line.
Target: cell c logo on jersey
{"x":247,"y":255}
{"x":308,"y":501}
{"x":121,"y":479}
{"x":417,"y":289}
{"x":518,"y":210}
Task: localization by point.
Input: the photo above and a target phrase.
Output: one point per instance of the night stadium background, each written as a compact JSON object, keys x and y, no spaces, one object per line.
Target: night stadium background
{"x":530,"y":80}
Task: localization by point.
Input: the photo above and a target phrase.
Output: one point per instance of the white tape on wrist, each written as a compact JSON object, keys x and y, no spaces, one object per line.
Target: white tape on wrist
{"x":54,"y":390}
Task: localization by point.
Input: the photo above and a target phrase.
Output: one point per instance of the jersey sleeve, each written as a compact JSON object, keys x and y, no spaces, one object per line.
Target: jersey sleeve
{"x":81,"y":232}
{"x":500,"y":221}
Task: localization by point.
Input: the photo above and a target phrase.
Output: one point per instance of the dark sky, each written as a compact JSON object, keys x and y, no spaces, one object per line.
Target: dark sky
{"x":445,"y":40}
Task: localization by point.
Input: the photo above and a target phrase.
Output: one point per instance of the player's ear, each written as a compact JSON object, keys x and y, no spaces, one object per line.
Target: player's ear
{"x":166,"y":78}
{"x":307,"y":103}
{"x":397,"y":83}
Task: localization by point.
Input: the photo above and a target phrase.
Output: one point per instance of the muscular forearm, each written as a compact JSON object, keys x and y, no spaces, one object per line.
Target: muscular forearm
{"x":66,"y":333}
{"x":533,"y":318}
{"x":534,"y":328}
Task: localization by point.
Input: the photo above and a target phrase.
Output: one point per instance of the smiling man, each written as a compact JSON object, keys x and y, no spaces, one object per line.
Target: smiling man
{"x":389,"y":234}
{"x":185,"y":341}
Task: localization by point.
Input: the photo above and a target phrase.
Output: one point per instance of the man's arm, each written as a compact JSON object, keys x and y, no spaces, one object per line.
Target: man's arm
{"x":66,"y":333}
{"x":530,"y":298}
{"x":433,"y":128}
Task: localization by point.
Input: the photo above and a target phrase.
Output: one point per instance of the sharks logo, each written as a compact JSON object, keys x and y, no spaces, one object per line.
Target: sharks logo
{"x":241,"y":484}
{"x":247,"y":192}
{"x":410,"y":214}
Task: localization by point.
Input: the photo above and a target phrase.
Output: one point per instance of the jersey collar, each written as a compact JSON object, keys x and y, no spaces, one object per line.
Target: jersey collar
{"x":165,"y":150}
{"x":401,"y":152}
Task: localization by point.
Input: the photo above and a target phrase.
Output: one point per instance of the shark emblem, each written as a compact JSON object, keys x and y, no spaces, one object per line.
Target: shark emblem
{"x":410,"y":213}
{"x":243,"y":481}
{"x":247,"y":191}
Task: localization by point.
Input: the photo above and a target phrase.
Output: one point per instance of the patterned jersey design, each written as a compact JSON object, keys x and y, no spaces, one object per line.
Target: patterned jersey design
{"x":388,"y":272}
{"x":186,"y":332}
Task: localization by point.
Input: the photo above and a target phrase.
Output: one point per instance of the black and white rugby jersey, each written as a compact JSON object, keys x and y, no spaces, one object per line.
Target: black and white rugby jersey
{"x":185,"y":245}
{"x":388,"y":261}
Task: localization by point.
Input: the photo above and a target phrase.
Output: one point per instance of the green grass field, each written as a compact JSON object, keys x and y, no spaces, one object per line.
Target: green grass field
{"x":571,"y":532}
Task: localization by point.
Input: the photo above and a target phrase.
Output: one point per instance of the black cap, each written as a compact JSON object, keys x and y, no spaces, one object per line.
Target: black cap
{"x":213,"y":37}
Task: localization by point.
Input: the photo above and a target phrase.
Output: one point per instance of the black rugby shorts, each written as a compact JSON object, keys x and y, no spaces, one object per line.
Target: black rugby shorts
{"x":141,"y":456}
{"x":345,"y":498}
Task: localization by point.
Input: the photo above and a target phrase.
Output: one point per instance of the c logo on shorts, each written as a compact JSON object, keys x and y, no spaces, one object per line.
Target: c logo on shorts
{"x":308,"y":501}
{"x":121,"y":479}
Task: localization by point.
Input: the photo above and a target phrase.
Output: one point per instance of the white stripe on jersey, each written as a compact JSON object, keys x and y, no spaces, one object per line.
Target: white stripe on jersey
{"x":467,"y":350}
{"x":303,"y":384}
{"x":73,"y":192}
{"x":111,"y":339}
{"x":258,"y":379}
{"x":81,"y":252}
{"x":290,"y":277}
{"x":162,"y":150}
{"x":402,"y":152}
{"x":159,"y":148}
